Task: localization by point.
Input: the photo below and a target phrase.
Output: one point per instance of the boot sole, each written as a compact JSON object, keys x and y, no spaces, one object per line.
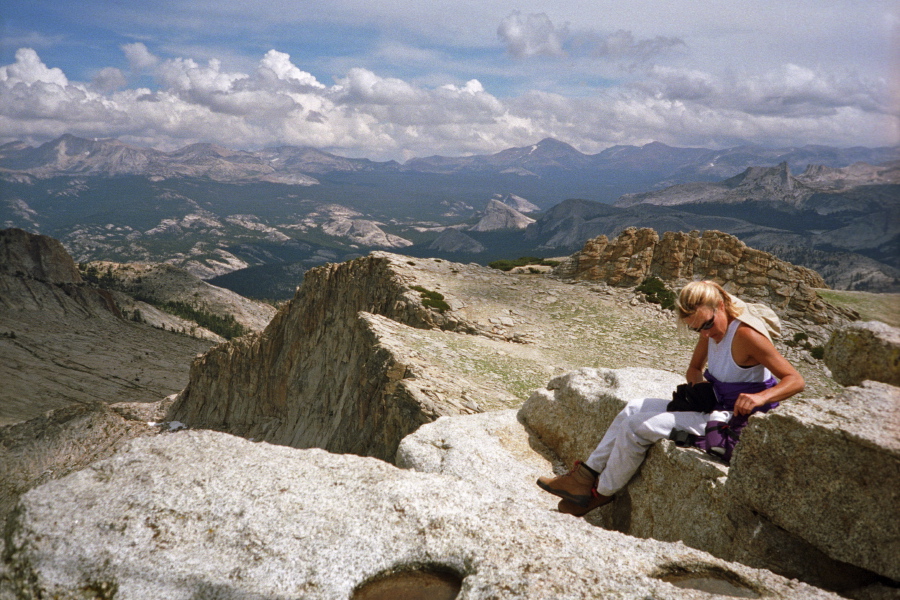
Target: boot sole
{"x":576,"y":510}
{"x":582,"y":501}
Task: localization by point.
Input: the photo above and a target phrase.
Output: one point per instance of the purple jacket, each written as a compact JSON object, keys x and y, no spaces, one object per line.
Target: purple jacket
{"x":720,"y":438}
{"x":727,"y":393}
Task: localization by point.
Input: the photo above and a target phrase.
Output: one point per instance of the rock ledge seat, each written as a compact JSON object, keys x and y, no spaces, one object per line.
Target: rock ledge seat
{"x":168,"y":519}
{"x":811,"y":493}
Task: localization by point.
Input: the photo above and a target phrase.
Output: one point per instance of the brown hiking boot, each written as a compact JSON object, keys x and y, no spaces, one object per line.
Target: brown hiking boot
{"x":576,"y":486}
{"x":570,"y":508}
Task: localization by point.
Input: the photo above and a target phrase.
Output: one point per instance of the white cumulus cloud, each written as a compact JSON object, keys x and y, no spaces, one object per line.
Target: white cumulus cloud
{"x":279,"y":64}
{"x":139,"y":57}
{"x":28,"y":69}
{"x":364,"y":86}
{"x":473,"y":86}
{"x":367,"y":114}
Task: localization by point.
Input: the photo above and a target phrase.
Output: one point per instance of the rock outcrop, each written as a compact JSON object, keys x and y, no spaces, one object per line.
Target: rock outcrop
{"x":364,"y":233}
{"x":678,"y":258}
{"x":827,"y":472}
{"x":624,"y":261}
{"x":864,"y":351}
{"x":454,"y":240}
{"x":499,"y":216}
{"x":170,"y":518}
{"x":517,"y":202}
{"x":825,"y":459}
{"x":39,"y":257}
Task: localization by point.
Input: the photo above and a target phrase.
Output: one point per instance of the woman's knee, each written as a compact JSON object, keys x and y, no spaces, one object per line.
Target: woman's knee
{"x":630,"y":409}
{"x":654,"y":428}
{"x":640,"y":405}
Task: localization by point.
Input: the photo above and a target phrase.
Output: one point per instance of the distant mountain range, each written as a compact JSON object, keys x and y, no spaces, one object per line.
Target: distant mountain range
{"x":776,"y":185}
{"x":275,"y":212}
{"x":655,"y":162}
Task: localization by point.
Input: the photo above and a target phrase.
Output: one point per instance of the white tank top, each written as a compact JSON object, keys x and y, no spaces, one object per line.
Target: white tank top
{"x":721,"y":363}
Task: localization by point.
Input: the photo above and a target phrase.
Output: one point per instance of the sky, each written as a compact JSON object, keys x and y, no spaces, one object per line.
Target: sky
{"x":406,"y":78}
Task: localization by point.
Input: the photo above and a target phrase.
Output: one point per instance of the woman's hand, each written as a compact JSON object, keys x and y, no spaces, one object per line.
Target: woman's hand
{"x":750,"y":347}
{"x":745,"y":403}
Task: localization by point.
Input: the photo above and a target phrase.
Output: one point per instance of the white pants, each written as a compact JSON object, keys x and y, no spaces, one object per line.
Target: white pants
{"x":633,"y":431}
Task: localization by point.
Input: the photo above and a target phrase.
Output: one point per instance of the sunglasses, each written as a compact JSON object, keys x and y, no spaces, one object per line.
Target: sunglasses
{"x":706,"y":325}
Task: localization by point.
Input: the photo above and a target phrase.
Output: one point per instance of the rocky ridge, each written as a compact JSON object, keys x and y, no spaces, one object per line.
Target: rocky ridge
{"x":774,"y":184}
{"x":337,"y":312}
{"x":834,"y":220}
{"x":72,"y":155}
{"x":858,"y":173}
{"x":164,"y":283}
{"x":851,"y":252}
{"x":841,"y":270}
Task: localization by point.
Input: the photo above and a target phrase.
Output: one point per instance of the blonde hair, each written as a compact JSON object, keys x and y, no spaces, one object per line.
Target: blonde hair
{"x":704,"y":293}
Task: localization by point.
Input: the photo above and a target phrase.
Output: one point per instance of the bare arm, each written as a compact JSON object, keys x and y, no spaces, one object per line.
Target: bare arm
{"x":698,"y":361}
{"x":751,"y":347}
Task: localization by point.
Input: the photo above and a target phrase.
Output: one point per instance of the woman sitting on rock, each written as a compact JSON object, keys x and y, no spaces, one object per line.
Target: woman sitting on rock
{"x":740,"y":360}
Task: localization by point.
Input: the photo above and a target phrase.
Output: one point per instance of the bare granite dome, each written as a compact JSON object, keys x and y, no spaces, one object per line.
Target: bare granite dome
{"x":37,"y":257}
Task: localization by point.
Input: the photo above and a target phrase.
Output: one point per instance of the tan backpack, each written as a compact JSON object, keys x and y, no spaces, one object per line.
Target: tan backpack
{"x":758,"y":316}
